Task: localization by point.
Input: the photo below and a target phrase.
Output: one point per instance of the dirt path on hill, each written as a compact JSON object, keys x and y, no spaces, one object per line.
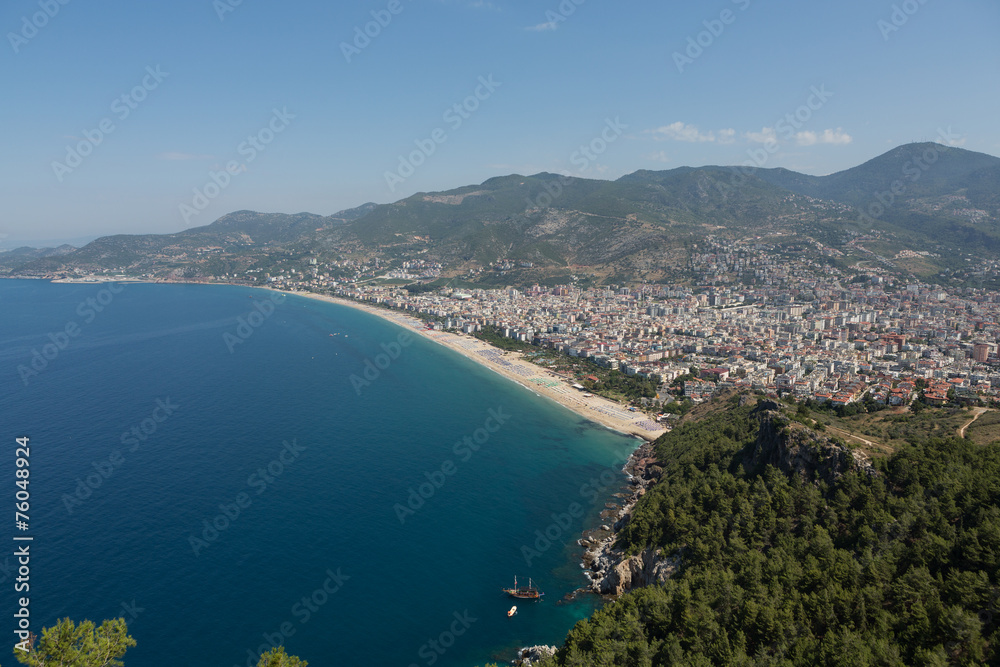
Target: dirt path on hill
{"x":848,"y":434}
{"x":875,"y":448}
{"x":979,"y":413}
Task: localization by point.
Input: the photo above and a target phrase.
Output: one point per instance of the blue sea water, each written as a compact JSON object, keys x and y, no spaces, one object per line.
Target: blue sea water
{"x":313,"y":470}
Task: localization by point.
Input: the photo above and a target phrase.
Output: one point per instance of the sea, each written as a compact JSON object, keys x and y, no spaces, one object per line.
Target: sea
{"x":230,"y":469}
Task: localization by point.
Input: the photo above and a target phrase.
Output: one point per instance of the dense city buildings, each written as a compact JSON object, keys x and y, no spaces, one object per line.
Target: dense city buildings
{"x":750,"y":318}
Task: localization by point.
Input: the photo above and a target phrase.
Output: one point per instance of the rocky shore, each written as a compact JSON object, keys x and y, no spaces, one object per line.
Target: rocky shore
{"x":790,"y":447}
{"x":532,"y":655}
{"x":609,"y":570}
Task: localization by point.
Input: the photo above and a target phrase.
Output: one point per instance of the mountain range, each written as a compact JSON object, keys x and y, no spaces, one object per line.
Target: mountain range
{"x":942,"y":204}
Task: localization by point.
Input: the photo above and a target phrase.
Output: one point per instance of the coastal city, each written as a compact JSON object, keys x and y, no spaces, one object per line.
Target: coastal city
{"x":801,"y":329}
{"x":473,"y":333}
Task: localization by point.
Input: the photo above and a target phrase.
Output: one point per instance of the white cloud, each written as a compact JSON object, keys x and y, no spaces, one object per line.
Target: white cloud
{"x":690,"y":133}
{"x":543,"y":27}
{"x":806,"y":138}
{"x":828,"y":136}
{"x":680,"y":131}
{"x":658,"y":156}
{"x":766,"y":135}
{"x":174,"y":155}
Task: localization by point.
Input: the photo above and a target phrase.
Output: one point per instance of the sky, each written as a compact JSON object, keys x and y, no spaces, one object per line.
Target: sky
{"x":124,"y":116}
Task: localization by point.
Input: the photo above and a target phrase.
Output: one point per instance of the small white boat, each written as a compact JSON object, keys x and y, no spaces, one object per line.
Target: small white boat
{"x":513,"y":610}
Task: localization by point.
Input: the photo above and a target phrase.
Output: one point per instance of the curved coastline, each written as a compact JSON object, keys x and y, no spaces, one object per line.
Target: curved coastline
{"x":596,"y":560}
{"x":596,"y":409}
{"x":599,"y":564}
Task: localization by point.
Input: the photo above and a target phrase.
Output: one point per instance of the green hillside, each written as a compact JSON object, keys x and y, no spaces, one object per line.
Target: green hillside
{"x":793,"y":554}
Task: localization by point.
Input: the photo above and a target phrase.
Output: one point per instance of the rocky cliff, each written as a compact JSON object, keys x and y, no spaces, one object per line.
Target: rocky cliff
{"x":533,"y":655}
{"x":610,"y":571}
{"x":797,"y":449}
{"x":791,"y":447}
{"x":613,"y":573}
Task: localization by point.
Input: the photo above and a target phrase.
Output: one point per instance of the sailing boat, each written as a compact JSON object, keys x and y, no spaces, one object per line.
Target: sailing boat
{"x":529,"y":592}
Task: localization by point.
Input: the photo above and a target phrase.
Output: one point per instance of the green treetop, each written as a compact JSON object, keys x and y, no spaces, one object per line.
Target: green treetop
{"x":69,"y":645}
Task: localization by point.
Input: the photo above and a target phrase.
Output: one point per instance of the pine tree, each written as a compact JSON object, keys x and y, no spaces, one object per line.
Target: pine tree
{"x":69,"y":645}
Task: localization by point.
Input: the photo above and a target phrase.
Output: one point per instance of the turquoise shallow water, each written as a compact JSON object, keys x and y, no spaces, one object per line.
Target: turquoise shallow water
{"x":271,"y":431}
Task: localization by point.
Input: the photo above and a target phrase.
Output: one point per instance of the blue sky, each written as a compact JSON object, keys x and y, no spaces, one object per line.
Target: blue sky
{"x":811,"y":86}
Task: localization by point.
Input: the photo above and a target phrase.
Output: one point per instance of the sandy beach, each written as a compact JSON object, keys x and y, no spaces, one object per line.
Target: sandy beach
{"x":511,"y":366}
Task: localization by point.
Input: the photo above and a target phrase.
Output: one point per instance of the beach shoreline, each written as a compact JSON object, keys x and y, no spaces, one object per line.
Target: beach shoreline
{"x":511,"y":366}
{"x":597,"y":561}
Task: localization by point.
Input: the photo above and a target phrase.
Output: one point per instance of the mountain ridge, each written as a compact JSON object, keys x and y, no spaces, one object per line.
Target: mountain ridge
{"x":925,"y":198}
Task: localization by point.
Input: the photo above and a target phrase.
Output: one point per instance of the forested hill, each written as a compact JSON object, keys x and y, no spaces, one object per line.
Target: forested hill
{"x":794,"y":554}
